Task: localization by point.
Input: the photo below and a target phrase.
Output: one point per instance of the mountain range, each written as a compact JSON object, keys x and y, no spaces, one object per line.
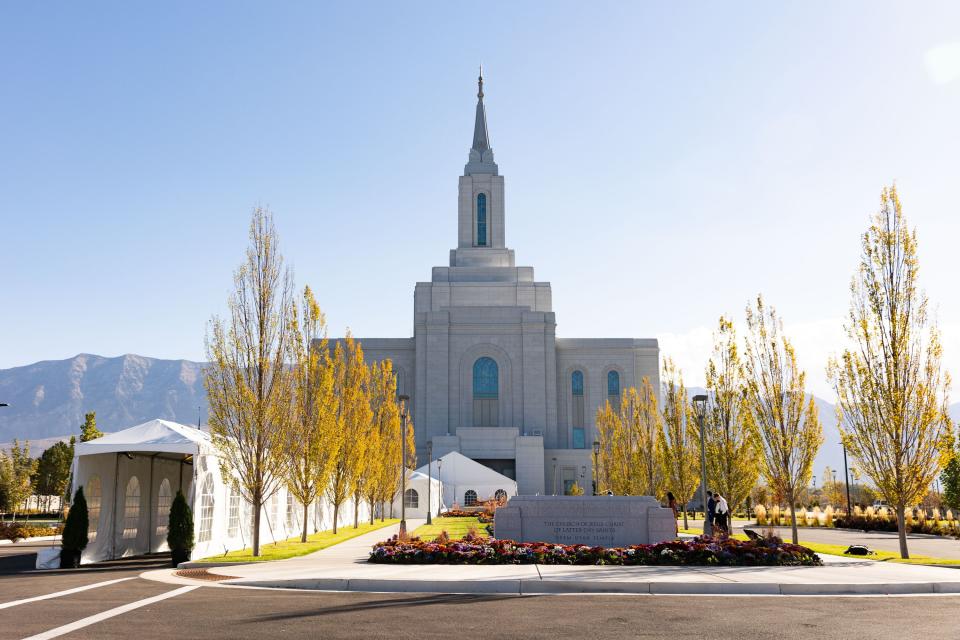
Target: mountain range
{"x":48,"y":399}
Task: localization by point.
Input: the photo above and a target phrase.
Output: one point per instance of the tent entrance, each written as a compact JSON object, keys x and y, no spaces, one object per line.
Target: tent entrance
{"x":504,"y":466}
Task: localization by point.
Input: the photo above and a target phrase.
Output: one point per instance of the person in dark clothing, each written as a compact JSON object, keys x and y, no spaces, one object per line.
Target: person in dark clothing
{"x":672,"y":503}
{"x":711,"y":510}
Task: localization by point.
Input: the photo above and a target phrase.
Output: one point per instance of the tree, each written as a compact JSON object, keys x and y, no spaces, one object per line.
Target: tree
{"x":729,"y":432}
{"x":951,"y":481}
{"x":248,"y":382}
{"x":629,"y":444}
{"x":76,"y":528}
{"x":88,"y":430}
{"x":350,"y":409}
{"x":384,"y":446}
{"x":891,"y":389}
{"x":20,"y":473}
{"x":53,"y":470}
{"x":789,"y":429}
{"x":359,"y":427}
{"x":311,"y":443}
{"x":180,"y":529}
{"x":680,"y":438}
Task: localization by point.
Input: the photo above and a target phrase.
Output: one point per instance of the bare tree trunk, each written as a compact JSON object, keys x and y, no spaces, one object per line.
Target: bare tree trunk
{"x":371,"y":511}
{"x":383,"y":510}
{"x":356,"y":511}
{"x":902,"y":531}
{"x":336,"y":516}
{"x":258,"y":506}
{"x":306,"y":514}
{"x":685,"y":525}
{"x":793,"y":517}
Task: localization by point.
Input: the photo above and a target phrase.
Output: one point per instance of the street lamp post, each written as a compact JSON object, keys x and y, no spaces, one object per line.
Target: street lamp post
{"x":554,"y":476}
{"x":700,"y":409}
{"x":596,"y":467}
{"x":429,"y":480}
{"x":846,"y":478}
{"x":403,"y":464}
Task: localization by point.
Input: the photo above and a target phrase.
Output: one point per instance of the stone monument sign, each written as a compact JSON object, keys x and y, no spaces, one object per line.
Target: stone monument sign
{"x":604,"y":521}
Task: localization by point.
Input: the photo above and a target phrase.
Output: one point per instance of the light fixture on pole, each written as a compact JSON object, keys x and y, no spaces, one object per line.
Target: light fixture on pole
{"x":554,"y":476}
{"x":596,"y":467}
{"x":846,"y":478}
{"x":403,"y":464}
{"x":700,"y":410}
{"x":440,"y":478}
{"x":429,"y":479}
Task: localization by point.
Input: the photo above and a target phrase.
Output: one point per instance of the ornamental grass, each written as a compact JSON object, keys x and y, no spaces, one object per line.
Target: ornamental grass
{"x":701,"y":551}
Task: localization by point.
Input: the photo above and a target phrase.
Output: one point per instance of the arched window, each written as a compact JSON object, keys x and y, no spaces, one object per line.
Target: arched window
{"x":613,"y":387}
{"x":233,"y":518}
{"x":481,"y":220}
{"x":577,"y":417}
{"x":470,"y":498}
{"x":206,"y":509}
{"x":164,"y":500}
{"x":486,"y":390}
{"x":131,"y":509}
{"x":94,"y":497}
{"x":411,"y":499}
{"x":500,"y":496}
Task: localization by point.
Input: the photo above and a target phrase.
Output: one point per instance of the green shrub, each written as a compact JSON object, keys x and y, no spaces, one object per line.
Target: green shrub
{"x":78,"y":523}
{"x":180,"y":529}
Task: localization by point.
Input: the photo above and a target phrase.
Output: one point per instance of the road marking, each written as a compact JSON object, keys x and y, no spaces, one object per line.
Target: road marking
{"x":57,"y":594}
{"x":109,"y":613}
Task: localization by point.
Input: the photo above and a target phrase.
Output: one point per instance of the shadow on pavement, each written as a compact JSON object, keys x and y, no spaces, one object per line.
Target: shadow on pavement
{"x":414,"y":601}
{"x":24,"y":564}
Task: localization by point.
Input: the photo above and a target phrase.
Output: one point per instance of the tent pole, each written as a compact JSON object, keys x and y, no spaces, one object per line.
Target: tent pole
{"x":150,"y":508}
{"x":113,"y":528}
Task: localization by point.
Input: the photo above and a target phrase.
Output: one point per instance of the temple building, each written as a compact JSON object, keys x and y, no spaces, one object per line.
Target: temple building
{"x":486,"y":374}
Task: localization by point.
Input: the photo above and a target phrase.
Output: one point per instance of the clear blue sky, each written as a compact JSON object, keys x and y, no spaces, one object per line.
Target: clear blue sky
{"x":664,"y":162}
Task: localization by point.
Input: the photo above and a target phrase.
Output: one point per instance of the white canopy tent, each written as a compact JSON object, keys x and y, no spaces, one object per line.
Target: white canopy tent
{"x":416,"y":496}
{"x":465,"y":481}
{"x":130,"y":478}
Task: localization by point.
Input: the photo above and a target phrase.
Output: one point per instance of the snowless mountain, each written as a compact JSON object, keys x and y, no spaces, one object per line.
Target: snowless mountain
{"x":49,"y":399}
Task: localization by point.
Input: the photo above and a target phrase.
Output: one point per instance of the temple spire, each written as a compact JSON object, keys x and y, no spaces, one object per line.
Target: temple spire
{"x":481,"y":155}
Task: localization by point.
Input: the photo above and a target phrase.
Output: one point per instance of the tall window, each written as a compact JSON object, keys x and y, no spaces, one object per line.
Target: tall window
{"x":577,"y":422}
{"x":613,"y":388}
{"x":206,"y":509}
{"x":486,"y":390}
{"x":233,"y":520}
{"x":131,"y":509}
{"x":411,"y":499}
{"x":164,"y":500}
{"x":291,"y":512}
{"x":470,"y":498}
{"x":93,"y":497}
{"x":481,"y":220}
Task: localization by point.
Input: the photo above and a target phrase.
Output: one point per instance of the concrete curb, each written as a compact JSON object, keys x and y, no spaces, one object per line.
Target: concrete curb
{"x":35,"y":539}
{"x":541,"y":587}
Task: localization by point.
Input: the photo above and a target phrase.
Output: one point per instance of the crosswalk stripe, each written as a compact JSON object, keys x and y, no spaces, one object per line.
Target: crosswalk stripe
{"x":57,"y":594}
{"x":109,"y":613}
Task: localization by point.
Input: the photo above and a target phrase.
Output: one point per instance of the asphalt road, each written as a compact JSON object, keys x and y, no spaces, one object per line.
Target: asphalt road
{"x":211,"y":612}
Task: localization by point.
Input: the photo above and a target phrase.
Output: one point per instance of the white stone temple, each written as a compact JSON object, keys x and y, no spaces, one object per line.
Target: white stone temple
{"x":486,"y":374}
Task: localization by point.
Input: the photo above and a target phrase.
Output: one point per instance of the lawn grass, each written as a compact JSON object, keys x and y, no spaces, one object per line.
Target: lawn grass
{"x":455,"y":528}
{"x":292,"y":547}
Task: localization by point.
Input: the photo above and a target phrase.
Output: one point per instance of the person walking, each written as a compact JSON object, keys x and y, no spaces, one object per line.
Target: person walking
{"x":711,"y":511}
{"x":722,"y":514}
{"x":672,"y":503}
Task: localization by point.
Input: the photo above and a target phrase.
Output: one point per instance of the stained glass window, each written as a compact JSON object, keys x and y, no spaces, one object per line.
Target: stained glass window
{"x":482,"y":220}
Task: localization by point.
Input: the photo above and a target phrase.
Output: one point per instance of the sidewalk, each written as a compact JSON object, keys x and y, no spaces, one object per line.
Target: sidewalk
{"x":344,"y":568}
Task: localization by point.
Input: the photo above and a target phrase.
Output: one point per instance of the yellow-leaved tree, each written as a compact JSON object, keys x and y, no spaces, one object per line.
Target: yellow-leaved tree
{"x":629,"y":447}
{"x":786,"y":420}
{"x":249,"y":383}
{"x":891,"y":389}
{"x":730,"y":436}
{"x":383,"y":404}
{"x":679,"y":439}
{"x":311,"y":443}
{"x":349,"y":375}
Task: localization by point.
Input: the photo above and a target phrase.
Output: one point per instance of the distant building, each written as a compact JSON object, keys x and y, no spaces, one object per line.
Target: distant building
{"x":485,"y":372}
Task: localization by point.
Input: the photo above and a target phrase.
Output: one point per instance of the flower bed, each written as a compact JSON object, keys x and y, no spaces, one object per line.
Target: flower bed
{"x":702,"y":551}
{"x":482,"y":516}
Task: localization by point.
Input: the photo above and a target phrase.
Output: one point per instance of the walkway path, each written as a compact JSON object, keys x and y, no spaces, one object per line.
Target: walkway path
{"x":344,"y":567}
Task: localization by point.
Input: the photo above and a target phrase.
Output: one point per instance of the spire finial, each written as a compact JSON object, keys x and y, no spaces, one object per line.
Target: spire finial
{"x":480,"y":83}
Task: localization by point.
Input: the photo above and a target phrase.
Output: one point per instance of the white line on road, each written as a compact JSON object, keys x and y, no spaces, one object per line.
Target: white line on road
{"x":109,"y":613}
{"x":57,"y":594}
